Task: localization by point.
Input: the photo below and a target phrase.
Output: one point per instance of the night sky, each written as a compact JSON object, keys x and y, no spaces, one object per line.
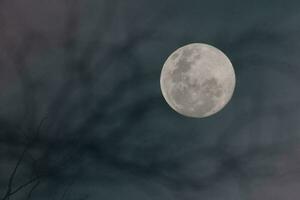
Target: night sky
{"x":82,"y":115}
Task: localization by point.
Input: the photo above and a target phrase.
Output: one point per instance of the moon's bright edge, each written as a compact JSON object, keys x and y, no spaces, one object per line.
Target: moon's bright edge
{"x":197,"y":80}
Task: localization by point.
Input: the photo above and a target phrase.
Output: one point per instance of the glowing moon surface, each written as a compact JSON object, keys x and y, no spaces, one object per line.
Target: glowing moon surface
{"x":197,"y":80}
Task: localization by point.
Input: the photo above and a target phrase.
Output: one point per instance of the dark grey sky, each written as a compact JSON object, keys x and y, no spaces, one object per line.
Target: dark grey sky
{"x":79,"y":84}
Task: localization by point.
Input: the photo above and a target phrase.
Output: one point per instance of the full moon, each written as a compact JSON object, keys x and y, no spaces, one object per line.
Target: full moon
{"x":197,"y":80}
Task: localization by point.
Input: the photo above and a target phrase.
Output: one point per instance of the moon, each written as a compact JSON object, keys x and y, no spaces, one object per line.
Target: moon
{"x":197,"y":80}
